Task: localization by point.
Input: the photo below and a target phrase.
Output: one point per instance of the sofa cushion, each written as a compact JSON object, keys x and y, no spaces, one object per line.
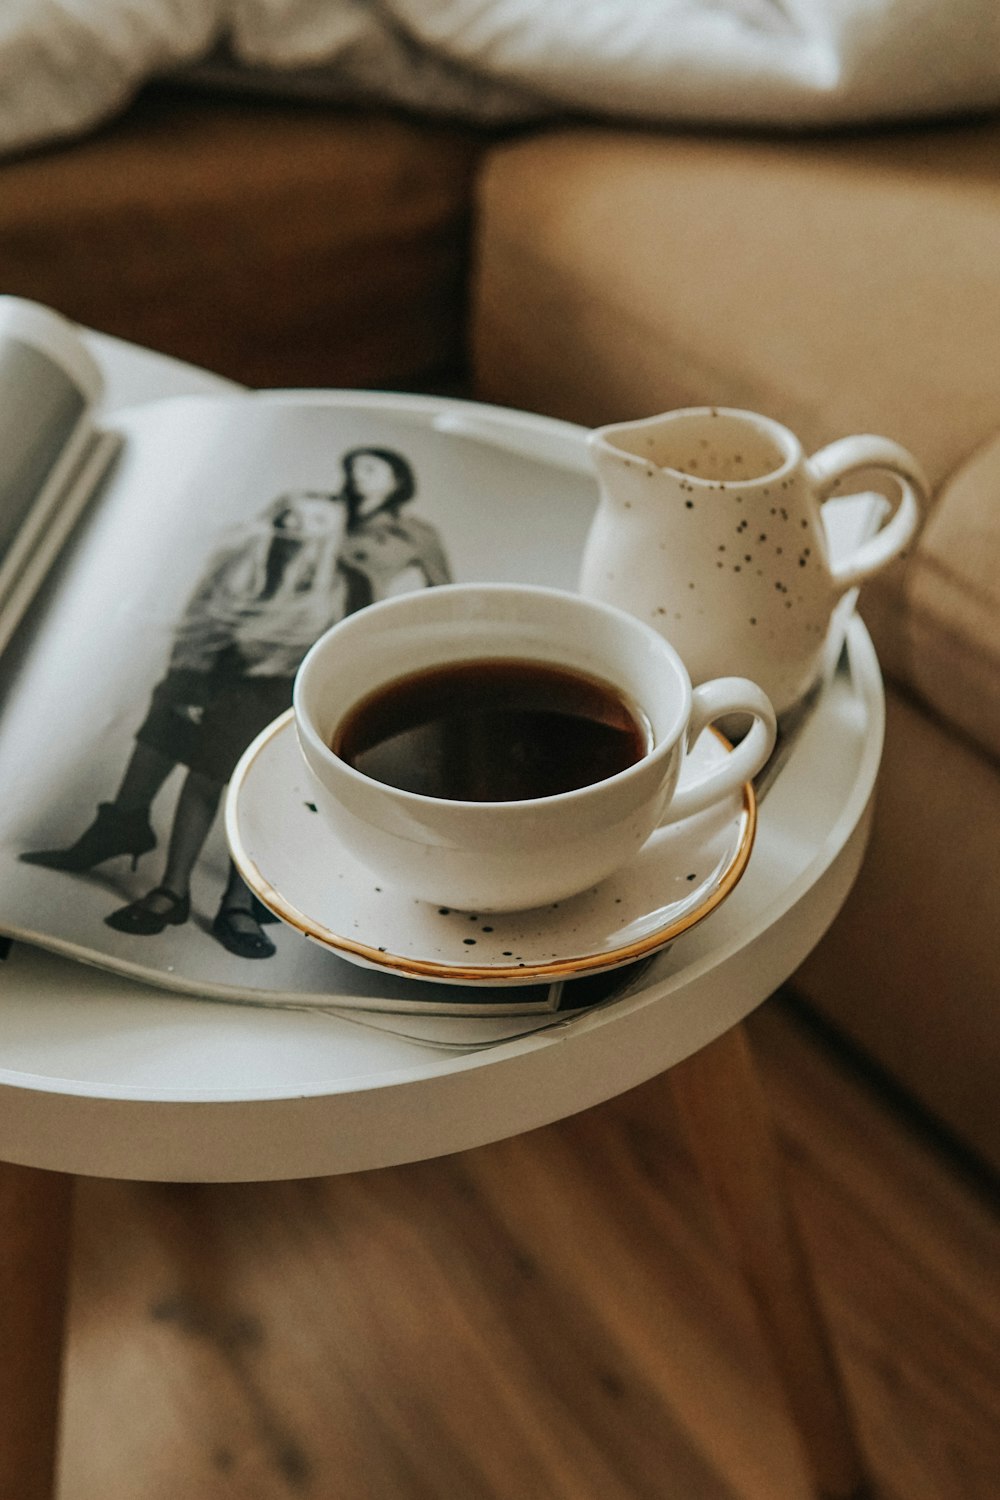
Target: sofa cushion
{"x":279,"y":244}
{"x":950,"y":623}
{"x":842,"y":285}
{"x":909,"y":968}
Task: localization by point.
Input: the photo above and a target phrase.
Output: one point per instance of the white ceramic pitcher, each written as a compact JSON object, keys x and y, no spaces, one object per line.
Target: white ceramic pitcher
{"x":709,"y":527}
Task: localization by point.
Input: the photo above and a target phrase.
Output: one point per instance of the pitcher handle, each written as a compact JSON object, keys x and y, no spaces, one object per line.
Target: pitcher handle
{"x":833,"y":463}
{"x":717,"y":700}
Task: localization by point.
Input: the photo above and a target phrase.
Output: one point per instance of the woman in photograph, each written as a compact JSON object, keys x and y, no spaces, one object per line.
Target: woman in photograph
{"x":308,"y":561}
{"x":385,"y":547}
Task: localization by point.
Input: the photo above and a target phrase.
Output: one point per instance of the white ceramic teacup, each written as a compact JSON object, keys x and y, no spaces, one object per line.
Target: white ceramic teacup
{"x":503,"y":856}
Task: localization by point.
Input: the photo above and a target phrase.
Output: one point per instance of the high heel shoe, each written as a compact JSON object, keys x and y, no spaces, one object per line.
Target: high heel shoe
{"x":114,"y":831}
{"x":143,"y":919}
{"x":238,"y":930}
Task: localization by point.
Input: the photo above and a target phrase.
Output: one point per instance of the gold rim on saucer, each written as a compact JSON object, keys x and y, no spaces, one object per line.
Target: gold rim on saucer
{"x":424,"y":969}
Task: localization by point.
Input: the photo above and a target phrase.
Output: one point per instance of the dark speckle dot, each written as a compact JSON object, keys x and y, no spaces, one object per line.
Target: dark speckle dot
{"x":753,"y":619}
{"x":469,"y":942}
{"x":378,"y":888}
{"x":381,"y":950}
{"x":689,"y":504}
{"x":693,"y":877}
{"x":487,"y":929}
{"x":312,"y":807}
{"x":444,"y":911}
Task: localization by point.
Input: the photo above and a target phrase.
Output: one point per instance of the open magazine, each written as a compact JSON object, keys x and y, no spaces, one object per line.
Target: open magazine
{"x":161,"y":576}
{"x":162,"y":572}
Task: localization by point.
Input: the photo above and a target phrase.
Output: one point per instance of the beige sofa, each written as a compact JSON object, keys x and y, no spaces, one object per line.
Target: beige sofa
{"x":840,"y":284}
{"x":274,"y":243}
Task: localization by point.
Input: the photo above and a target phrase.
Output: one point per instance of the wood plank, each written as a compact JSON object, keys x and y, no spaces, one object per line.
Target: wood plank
{"x":730,"y":1132}
{"x":554,"y":1317}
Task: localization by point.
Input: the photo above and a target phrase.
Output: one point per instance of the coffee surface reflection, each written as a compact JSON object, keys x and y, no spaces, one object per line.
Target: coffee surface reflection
{"x":493,"y":730}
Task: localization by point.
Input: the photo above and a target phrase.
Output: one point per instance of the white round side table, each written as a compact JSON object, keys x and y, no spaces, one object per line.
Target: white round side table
{"x":102,"y":1077}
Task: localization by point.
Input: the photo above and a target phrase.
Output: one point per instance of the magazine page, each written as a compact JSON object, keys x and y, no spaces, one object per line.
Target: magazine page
{"x":231,"y":532}
{"x":471,"y":1033}
{"x":51,"y":456}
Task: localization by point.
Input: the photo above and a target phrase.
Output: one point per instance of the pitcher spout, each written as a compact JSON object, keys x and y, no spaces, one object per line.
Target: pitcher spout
{"x":624,"y":444}
{"x":628,"y":460}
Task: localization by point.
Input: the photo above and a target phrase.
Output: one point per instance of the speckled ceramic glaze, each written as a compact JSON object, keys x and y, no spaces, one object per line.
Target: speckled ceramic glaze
{"x":710,"y":529}
{"x":308,"y":878}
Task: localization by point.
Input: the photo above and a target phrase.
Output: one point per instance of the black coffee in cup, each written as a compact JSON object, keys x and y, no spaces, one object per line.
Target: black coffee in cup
{"x":493,"y":730}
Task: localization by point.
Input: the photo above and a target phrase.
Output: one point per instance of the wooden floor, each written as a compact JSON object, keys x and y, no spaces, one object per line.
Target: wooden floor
{"x":551,"y":1318}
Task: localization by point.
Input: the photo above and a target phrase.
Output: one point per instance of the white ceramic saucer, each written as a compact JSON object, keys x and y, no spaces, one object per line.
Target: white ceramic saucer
{"x":292,"y":861}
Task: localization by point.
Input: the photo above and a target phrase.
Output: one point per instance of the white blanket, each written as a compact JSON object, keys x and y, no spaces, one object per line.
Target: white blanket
{"x":65,"y":65}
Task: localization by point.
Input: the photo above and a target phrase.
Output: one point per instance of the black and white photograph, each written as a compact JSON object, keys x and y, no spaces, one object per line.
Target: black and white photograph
{"x":276,"y":583}
{"x":227,"y":537}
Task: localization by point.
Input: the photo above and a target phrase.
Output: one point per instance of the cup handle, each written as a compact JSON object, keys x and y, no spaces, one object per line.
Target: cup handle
{"x":833,"y":463}
{"x":715,"y":700}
